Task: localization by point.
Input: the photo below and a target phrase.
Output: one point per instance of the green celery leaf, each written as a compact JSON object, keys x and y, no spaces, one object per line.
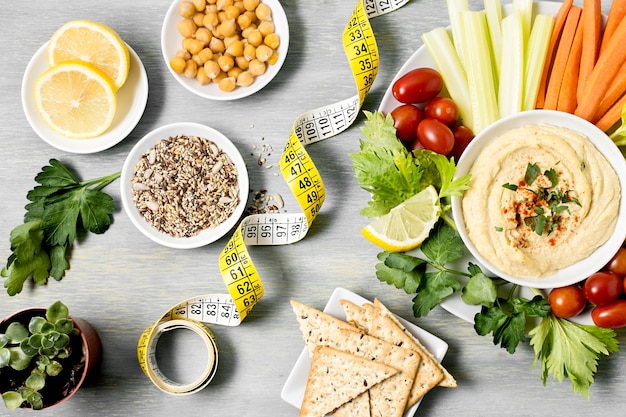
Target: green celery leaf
{"x":96,"y":209}
{"x":409,"y":281}
{"x":58,"y":261}
{"x":56,"y":175}
{"x":26,"y":240}
{"x":400,"y":261}
{"x":17,"y":273}
{"x":61,"y":216}
{"x":480,"y":290}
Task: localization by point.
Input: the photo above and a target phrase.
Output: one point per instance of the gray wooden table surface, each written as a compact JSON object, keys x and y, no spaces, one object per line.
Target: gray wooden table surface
{"x":121,"y":281}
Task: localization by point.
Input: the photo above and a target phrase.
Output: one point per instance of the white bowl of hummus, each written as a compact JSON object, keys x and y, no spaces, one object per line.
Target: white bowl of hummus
{"x":544,"y":207}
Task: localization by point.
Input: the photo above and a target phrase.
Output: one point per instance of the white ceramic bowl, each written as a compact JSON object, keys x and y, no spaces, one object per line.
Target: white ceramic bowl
{"x":580,"y":270}
{"x":147,"y":142}
{"x":171,"y":42}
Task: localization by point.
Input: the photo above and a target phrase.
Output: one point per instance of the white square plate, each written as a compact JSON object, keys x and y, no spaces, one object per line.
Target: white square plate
{"x":293,"y":390}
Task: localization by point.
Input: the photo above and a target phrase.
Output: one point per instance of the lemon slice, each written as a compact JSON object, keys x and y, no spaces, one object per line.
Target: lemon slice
{"x":91,"y":42}
{"x":407,"y":225}
{"x":76,"y":99}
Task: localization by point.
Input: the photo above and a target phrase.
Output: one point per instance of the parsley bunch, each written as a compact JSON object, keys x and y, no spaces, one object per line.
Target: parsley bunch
{"x":60,"y":208}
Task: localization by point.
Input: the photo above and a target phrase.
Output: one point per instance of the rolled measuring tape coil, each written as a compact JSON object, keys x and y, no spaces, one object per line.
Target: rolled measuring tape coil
{"x":238,"y":272}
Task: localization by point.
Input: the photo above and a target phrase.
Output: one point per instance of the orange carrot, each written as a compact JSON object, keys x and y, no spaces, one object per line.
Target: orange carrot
{"x":559,"y":22}
{"x":604,"y":73}
{"x":615,"y":91}
{"x":615,"y":16}
{"x":612,"y":116}
{"x":560,"y":59}
{"x":569,"y":84}
{"x":592,"y":21}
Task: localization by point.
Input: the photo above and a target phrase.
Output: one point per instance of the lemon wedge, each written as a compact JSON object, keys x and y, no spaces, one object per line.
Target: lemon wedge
{"x":94,"y":43}
{"x":407,"y":225}
{"x":76,"y":99}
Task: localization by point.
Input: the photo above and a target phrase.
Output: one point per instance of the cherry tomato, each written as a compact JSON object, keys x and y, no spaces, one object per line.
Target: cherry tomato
{"x":443,"y":109}
{"x":567,"y":302}
{"x":602,"y":288}
{"x":417,"y":86}
{"x":611,"y":315}
{"x":463,"y":135}
{"x":405,"y":119}
{"x":618,"y":263}
{"x":435,"y":136}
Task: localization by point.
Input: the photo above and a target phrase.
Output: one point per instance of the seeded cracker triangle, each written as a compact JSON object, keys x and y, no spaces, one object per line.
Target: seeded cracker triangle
{"x":336,"y":378}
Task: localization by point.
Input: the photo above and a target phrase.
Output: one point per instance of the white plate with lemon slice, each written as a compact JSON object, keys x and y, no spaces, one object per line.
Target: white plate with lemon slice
{"x":132,"y":98}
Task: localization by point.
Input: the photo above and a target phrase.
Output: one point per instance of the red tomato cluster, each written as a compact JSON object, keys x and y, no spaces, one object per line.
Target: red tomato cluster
{"x":604,"y":290}
{"x":426,"y":120}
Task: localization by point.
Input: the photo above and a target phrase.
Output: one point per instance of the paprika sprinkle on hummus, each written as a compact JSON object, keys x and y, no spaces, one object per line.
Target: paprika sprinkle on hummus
{"x":541,"y":198}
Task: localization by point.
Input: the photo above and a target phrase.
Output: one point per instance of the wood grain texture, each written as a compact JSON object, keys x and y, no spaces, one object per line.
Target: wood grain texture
{"x":121,"y":282}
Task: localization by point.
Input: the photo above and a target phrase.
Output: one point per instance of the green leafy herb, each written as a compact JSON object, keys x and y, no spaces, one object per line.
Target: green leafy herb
{"x":386,"y":169}
{"x":60,"y":208}
{"x":570,"y":350}
{"x":619,"y":135}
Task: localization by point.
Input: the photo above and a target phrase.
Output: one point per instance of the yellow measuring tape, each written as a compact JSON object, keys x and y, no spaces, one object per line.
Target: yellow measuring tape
{"x":240,"y":276}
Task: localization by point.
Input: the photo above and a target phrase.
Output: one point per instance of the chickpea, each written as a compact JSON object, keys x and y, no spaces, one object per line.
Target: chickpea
{"x":220,"y":77}
{"x":263,"y":12}
{"x":226,"y":62}
{"x":234,"y":72}
{"x":249,"y":52}
{"x":187,"y":28}
{"x":210,"y":20}
{"x":192,"y":45}
{"x":221,"y":15}
{"x":177,"y":64}
{"x":204,"y":35}
{"x":273,"y":59}
{"x":228,"y":27}
{"x":201,"y":76}
{"x":186,"y":9}
{"x":184,"y":54}
{"x":200,"y":5}
{"x":229,"y":40}
{"x":227,"y":84}
{"x":205,"y":55}
{"x":235,"y":48}
{"x":191,"y":69}
{"x":244,"y":20}
{"x":255,"y":38}
{"x":272,"y":40}
{"x":223,"y":4}
{"x":198,"y":19}
{"x":263,"y":53}
{"x":266,"y":28}
{"x":247,"y":31}
{"x":232,"y":12}
{"x":242,"y":62}
{"x":245,"y":79}
{"x":239,"y":5}
{"x":217,"y":45}
{"x":256,"y":67}
{"x":212,"y":69}
{"x":211,"y":8}
{"x":251,"y":4}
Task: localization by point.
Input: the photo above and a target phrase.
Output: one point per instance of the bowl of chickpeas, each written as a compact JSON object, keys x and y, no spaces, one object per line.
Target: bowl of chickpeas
{"x":225,"y":49}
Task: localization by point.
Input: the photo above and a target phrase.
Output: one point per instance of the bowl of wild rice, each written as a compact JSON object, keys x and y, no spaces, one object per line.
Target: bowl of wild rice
{"x":184,"y":185}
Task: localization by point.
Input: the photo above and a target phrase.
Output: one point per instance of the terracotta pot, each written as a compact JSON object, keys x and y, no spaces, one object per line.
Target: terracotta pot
{"x":92,"y":346}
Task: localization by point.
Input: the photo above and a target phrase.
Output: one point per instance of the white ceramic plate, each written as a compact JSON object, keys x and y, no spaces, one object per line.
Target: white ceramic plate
{"x":293,"y":390}
{"x":147,"y":142}
{"x":132,"y":98}
{"x":421,"y":58}
{"x":171,"y":43}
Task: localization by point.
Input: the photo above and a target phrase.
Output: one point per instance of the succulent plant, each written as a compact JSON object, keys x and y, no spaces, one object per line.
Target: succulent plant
{"x":44,"y":341}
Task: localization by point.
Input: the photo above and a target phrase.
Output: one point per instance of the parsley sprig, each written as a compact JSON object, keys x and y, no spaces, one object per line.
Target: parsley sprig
{"x":61,"y":207}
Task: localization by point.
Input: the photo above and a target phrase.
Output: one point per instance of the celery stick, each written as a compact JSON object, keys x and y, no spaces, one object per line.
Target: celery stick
{"x":511,"y":89}
{"x":525,"y":7}
{"x":537,"y":49}
{"x":479,"y":69}
{"x":455,"y":7}
{"x":493,"y":10}
{"x":442,"y":51}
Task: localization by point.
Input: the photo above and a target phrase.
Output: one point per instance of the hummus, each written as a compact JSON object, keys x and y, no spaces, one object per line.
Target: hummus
{"x":541,"y":198}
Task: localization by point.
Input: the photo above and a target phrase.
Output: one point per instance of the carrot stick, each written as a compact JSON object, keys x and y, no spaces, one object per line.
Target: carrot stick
{"x":603,"y":74}
{"x":560,"y":59}
{"x":592,"y":21}
{"x":615,"y":91}
{"x":569,"y":84}
{"x":615,"y":16}
{"x":612,"y":116}
{"x":559,"y":22}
